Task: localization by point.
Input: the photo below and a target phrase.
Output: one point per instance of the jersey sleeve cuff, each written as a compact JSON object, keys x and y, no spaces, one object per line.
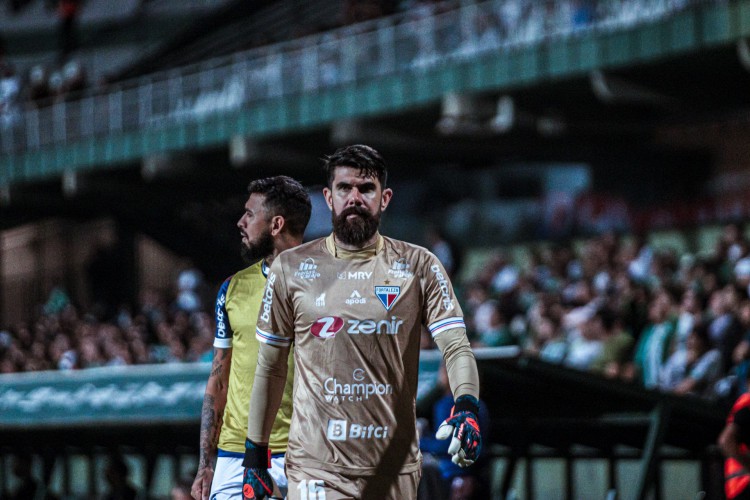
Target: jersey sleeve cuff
{"x":271,"y":339}
{"x":222,"y":343}
{"x":446,"y":324}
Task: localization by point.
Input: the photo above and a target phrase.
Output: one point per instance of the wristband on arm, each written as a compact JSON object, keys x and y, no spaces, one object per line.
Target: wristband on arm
{"x":256,"y":481}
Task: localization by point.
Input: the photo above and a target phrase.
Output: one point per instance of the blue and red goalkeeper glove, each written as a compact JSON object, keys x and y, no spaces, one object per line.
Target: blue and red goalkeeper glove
{"x":256,"y":481}
{"x":466,"y":444}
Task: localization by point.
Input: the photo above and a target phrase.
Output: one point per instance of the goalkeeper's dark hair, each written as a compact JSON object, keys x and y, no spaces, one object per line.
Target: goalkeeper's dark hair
{"x":286,"y":197}
{"x":369,"y":162}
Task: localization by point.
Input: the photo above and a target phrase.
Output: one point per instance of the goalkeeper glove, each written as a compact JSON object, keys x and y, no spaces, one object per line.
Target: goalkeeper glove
{"x":256,"y":481}
{"x":466,"y":444}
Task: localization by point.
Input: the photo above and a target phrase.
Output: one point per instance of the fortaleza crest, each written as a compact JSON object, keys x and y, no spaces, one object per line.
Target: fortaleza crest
{"x":387,"y":295}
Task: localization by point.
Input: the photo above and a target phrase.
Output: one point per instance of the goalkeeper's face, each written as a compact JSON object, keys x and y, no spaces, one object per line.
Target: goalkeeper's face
{"x":255,"y":230}
{"x":357,"y":203}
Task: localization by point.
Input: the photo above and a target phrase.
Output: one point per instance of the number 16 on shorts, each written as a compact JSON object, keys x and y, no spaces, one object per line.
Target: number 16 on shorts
{"x":311,"y":489}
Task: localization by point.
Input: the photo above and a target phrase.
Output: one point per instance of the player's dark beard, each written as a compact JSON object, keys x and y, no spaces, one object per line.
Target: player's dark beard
{"x":258,"y":249}
{"x":355,"y":231}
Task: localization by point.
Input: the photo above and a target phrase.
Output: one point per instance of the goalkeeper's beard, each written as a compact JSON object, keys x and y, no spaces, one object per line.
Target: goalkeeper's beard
{"x":357,"y":230}
{"x":260,"y":248}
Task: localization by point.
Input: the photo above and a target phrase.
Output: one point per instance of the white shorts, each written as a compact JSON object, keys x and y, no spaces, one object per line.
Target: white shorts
{"x":227,"y":483}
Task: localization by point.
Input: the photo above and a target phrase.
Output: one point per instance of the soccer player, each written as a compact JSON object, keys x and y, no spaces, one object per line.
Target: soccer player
{"x":354,"y":305}
{"x":276,"y":214}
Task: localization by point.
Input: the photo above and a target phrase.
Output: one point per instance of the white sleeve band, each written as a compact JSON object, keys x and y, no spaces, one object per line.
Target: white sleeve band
{"x":271,"y":339}
{"x":446,"y":324}
{"x":222,"y":343}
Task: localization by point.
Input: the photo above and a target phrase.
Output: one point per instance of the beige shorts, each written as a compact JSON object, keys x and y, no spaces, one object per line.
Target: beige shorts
{"x":316,"y":484}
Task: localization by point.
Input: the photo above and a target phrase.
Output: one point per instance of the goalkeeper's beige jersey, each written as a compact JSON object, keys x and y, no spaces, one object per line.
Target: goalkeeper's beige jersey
{"x":356,"y":321}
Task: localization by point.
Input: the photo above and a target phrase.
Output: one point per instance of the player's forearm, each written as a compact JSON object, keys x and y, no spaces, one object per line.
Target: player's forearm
{"x":460,"y":363}
{"x":268,"y":390}
{"x":214,"y":402}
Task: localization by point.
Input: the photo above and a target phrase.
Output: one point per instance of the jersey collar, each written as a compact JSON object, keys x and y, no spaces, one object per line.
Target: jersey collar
{"x":264,"y":268}
{"x":361,"y":254}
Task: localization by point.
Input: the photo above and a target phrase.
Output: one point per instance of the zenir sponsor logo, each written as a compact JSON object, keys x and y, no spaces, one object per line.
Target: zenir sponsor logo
{"x":328,"y":326}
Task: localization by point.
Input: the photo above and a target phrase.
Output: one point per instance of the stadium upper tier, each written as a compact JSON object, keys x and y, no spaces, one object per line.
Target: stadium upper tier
{"x":365,"y":69}
{"x":36,"y":15}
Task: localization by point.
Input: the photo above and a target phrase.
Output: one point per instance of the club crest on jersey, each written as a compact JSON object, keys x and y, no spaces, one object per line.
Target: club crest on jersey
{"x":387,"y":295}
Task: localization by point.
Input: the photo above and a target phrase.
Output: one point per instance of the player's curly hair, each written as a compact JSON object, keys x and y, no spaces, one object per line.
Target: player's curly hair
{"x":286,"y":197}
{"x":365,"y":158}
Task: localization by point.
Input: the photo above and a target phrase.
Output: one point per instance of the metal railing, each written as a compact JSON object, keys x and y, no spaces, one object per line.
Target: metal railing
{"x":411,"y":41}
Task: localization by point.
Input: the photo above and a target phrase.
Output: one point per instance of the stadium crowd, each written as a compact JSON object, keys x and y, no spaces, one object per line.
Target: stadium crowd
{"x":623,"y":309}
{"x":64,"y":337}
{"x":615,"y":306}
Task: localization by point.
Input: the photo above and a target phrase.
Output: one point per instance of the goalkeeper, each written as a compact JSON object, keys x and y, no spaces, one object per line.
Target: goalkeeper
{"x":354,"y":305}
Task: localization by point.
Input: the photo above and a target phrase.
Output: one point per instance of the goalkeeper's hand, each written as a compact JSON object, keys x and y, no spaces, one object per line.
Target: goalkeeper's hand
{"x":256,"y":481}
{"x":466,"y":444}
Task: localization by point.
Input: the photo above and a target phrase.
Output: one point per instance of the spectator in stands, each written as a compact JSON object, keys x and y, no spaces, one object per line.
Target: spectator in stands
{"x":491,"y":329}
{"x":724,"y":328}
{"x":617,"y":344}
{"x":547,"y":340}
{"x":693,"y":370}
{"x":653,"y":347}
{"x":10,"y":91}
{"x":506,"y":278}
{"x":690,"y":314}
{"x":91,"y":355}
{"x":585,"y":341}
{"x":734,"y":242}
